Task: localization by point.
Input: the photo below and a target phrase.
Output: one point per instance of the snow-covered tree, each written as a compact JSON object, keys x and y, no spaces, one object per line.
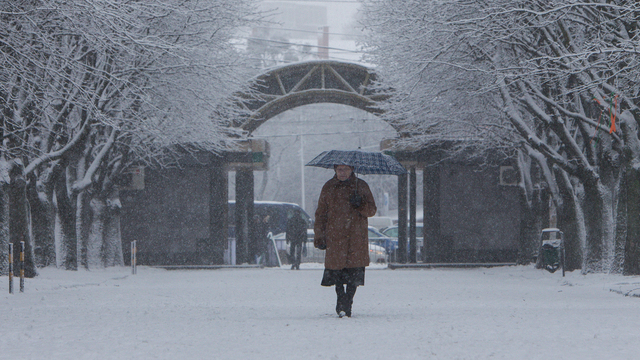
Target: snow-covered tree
{"x":546,"y":79}
{"x":89,"y":87}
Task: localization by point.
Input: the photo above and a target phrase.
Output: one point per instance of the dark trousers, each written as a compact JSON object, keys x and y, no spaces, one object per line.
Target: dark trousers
{"x":296,"y":255}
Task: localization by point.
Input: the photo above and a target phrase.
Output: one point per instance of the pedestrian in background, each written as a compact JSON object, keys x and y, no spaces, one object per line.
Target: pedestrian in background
{"x":261,"y":240}
{"x":296,"y":237}
{"x":341,"y":228}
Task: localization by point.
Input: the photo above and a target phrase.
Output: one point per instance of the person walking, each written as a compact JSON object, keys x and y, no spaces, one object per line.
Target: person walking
{"x":341,"y":228}
{"x":264,"y":253}
{"x":296,"y":236}
{"x":259,"y":239}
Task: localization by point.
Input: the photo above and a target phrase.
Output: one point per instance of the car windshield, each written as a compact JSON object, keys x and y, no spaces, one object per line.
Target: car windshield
{"x":372,"y":234}
{"x":393,"y":232}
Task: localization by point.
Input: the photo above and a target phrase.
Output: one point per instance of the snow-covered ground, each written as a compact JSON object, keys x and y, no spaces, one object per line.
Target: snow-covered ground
{"x":483,"y":313}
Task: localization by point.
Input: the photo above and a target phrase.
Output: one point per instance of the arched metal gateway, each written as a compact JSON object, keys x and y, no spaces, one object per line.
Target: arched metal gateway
{"x":284,"y":88}
{"x":287,"y":87}
{"x":181,"y":217}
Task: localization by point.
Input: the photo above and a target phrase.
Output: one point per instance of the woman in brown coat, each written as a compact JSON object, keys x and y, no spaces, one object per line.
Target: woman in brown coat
{"x":341,"y":227}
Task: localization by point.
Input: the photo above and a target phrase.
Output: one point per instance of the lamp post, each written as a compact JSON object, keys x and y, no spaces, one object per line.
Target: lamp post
{"x":302,"y":185}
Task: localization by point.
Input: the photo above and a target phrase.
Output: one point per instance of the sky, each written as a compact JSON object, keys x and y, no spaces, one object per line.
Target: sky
{"x":513,"y":312}
{"x":339,"y":12}
{"x":340,"y":15}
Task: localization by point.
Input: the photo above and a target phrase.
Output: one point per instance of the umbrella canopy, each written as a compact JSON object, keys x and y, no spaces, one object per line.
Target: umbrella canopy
{"x":363,"y":162}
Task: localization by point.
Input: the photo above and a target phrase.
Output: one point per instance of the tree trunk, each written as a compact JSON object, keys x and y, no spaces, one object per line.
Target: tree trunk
{"x":570,"y":221}
{"x":42,"y":221}
{"x":95,"y":241}
{"x":112,"y":237}
{"x":598,"y":220}
{"x":83,"y":211}
{"x":83,"y":227}
{"x":65,"y":234}
{"x":19,"y":229}
{"x":4,"y":225}
{"x":104,"y":242}
{"x":610,"y":178}
{"x":621,"y":217}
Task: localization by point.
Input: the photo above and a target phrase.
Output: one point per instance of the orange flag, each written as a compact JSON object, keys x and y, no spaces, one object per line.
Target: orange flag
{"x":612,"y":113}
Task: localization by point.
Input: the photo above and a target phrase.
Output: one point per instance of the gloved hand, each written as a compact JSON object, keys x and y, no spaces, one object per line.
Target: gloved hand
{"x":320,"y":243}
{"x":355,"y":200}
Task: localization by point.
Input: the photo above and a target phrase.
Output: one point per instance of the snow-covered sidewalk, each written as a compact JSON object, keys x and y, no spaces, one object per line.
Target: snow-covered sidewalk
{"x":513,"y":312}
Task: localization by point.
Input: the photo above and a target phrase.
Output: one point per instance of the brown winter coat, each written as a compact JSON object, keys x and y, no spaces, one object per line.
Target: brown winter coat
{"x":342,"y":228}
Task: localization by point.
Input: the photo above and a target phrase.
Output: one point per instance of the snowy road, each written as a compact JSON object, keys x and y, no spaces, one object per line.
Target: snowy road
{"x":496,"y":313}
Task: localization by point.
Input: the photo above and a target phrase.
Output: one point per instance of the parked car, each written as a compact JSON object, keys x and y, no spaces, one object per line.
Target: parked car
{"x":380,"y":222}
{"x":380,"y":239}
{"x":377,"y":254}
{"x":392,"y":232}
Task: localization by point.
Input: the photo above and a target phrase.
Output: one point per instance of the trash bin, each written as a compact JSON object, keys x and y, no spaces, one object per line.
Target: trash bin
{"x":551,"y":253}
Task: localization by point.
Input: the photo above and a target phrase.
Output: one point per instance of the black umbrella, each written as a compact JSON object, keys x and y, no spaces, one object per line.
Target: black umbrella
{"x":363,"y":162}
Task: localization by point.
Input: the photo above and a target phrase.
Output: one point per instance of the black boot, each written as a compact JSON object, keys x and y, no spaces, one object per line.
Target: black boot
{"x":340,"y":302}
{"x":348,"y":299}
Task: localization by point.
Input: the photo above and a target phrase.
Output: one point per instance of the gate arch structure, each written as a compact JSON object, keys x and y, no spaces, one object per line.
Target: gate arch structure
{"x":192,"y":227}
{"x":284,"y":88}
{"x":323,"y":81}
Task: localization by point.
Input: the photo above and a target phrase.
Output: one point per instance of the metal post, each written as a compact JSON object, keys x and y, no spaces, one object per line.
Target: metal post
{"x":134,"y":250}
{"x":10,"y":268}
{"x":402,"y":218}
{"x":302,"y":185}
{"x":21,"y":266}
{"x":413,"y":246}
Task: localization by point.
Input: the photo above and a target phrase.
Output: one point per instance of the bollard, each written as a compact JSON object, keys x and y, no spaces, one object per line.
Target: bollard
{"x":134,"y":249}
{"x":21,"y":266}
{"x":10,"y":268}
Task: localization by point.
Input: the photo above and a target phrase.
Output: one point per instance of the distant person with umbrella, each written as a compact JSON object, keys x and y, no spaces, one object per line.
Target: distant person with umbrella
{"x":341,"y":227}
